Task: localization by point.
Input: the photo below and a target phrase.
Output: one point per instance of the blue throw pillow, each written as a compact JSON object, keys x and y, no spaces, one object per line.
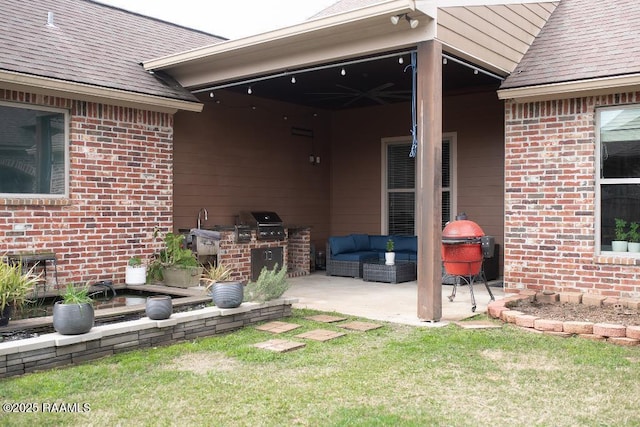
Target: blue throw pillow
{"x":405,"y":243}
{"x":361,"y":241}
{"x":378,"y":243}
{"x":341,"y":244}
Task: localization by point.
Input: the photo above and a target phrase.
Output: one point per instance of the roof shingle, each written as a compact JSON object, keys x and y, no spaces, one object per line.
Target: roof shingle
{"x":583,"y":39}
{"x":93,"y":44}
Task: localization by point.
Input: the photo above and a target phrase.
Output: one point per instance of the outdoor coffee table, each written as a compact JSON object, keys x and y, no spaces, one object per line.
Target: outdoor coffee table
{"x":378,"y":271}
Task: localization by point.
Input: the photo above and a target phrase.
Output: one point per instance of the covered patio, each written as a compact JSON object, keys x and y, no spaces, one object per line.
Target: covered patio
{"x":395,"y":303}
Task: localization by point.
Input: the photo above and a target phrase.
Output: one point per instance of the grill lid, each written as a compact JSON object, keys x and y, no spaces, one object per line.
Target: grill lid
{"x":258,"y":218}
{"x":460,"y":231}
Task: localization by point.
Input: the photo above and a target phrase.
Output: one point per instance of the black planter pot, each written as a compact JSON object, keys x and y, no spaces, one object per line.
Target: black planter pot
{"x":159,"y":307}
{"x":73,"y":319}
{"x":5,"y":315}
{"x":227,"y":294}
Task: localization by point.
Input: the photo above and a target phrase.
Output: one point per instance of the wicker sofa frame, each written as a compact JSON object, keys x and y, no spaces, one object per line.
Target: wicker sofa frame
{"x":343,"y":268}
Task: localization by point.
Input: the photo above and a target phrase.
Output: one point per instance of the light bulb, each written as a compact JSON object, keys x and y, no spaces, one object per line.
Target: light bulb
{"x":249,"y":91}
{"x":343,"y":72}
{"x":293,"y":79}
{"x":401,"y":60}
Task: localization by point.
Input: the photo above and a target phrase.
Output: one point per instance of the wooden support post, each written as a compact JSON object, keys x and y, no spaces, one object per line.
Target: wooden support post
{"x":429,"y":180}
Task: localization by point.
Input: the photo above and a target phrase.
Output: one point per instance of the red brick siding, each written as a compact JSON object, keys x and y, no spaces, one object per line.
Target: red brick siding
{"x":550,"y":200}
{"x":120,"y":189}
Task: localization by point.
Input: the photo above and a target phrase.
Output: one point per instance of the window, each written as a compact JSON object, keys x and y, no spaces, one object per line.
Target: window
{"x":618,"y":177}
{"x":33,"y":151}
{"x":399,"y":213}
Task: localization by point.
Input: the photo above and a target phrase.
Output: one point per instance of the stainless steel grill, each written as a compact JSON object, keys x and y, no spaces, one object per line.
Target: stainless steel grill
{"x":268,"y":224}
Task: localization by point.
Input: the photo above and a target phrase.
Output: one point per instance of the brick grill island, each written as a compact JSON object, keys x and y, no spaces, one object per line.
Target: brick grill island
{"x":296,"y":251}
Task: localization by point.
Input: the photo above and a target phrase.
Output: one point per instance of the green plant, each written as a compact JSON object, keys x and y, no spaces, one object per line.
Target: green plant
{"x":620,"y":232}
{"x":135,"y":261}
{"x":390,"y":245}
{"x":174,"y":254}
{"x":16,"y":285}
{"x":634,"y":235}
{"x":271,"y":284}
{"x":76,"y":294}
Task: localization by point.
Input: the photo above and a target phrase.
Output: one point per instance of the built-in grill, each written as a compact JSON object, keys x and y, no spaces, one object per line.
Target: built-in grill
{"x":268,"y":224}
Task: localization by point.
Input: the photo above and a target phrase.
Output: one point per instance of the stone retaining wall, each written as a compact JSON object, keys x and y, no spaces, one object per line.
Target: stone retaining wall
{"x":53,"y":350}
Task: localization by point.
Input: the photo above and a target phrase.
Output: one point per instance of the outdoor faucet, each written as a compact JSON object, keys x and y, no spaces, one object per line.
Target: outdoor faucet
{"x":206,"y":216}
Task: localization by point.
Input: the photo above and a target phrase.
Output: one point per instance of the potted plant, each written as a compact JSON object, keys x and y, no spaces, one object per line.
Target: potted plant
{"x":270,"y":284}
{"x":634,"y":237}
{"x":390,"y":256}
{"x":176,"y":265}
{"x":73,"y":315}
{"x":619,"y":244}
{"x":15,"y":287}
{"x":225,"y":293}
{"x":136,"y":273}
{"x":158,"y":307}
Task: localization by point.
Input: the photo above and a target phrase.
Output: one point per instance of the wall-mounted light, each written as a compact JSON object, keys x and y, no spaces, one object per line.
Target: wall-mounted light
{"x":413,"y":23}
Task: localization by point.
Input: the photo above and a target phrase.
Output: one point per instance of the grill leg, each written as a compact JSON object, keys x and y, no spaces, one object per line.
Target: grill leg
{"x":455,"y":287}
{"x":473,"y":297}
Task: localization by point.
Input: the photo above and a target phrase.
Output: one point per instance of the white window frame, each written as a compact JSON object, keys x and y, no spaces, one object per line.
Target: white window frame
{"x":452,"y":137}
{"x":67,"y":162}
{"x":604,"y":181}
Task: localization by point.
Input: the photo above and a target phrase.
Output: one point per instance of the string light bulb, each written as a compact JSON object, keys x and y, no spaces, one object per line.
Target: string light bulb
{"x":293,"y":79}
{"x":249,"y":91}
{"x":343,"y":72}
{"x":401,"y":60}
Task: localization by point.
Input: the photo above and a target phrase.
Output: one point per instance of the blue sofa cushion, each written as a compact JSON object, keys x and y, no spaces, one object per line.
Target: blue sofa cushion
{"x":361,"y":241}
{"x":355,"y":256}
{"x":342,"y":244}
{"x":378,"y":243}
{"x":405,"y":243}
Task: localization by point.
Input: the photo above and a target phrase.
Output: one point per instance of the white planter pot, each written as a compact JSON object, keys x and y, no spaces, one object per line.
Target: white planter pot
{"x":389,"y":258}
{"x":619,"y":245}
{"x":136,"y":275}
{"x":633,"y":247}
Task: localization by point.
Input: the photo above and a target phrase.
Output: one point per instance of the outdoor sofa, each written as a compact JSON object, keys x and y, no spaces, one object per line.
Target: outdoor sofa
{"x":346,"y":254}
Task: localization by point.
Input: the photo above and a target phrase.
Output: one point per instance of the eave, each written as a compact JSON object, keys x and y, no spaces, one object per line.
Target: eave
{"x":362,"y":32}
{"x":573,"y":89}
{"x":54,"y":87}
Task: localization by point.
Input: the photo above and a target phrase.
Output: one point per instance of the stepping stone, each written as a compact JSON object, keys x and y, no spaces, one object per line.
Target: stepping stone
{"x":321,"y":335}
{"x":478,"y":324}
{"x":360,"y":326}
{"x":324,"y":318}
{"x":277,"y":327}
{"x":280,"y":346}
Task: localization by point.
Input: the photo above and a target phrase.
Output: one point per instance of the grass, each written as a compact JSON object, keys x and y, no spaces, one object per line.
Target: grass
{"x":394,"y":376}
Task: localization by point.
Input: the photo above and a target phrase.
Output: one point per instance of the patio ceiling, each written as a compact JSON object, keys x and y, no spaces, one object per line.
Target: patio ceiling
{"x":367,"y":45}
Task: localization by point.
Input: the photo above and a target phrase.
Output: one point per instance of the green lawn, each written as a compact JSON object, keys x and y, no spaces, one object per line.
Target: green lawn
{"x":397,"y":376}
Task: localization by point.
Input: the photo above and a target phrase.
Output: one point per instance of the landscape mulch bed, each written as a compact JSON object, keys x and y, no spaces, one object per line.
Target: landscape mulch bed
{"x":579,"y":312}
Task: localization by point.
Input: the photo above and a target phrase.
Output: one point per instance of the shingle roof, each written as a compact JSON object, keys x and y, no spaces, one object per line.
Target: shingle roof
{"x":583,"y":39}
{"x":92,"y":43}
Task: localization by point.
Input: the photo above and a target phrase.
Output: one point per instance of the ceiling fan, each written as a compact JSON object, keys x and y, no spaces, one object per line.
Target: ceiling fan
{"x":379,"y":94}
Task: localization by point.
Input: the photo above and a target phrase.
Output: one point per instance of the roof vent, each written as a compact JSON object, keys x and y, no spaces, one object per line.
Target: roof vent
{"x":50,"y":19}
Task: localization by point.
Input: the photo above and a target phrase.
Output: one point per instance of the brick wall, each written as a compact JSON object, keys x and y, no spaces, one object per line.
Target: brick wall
{"x":120,"y":189}
{"x":550,"y":200}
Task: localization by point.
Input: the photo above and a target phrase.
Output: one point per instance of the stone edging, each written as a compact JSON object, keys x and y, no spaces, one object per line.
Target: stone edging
{"x":610,"y":332}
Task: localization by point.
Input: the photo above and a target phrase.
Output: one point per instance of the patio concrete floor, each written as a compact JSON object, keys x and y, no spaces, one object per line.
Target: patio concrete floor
{"x":395,"y":303}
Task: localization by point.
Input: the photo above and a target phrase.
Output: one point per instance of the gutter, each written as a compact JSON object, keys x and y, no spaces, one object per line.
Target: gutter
{"x":572,"y":89}
{"x":85,"y":92}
